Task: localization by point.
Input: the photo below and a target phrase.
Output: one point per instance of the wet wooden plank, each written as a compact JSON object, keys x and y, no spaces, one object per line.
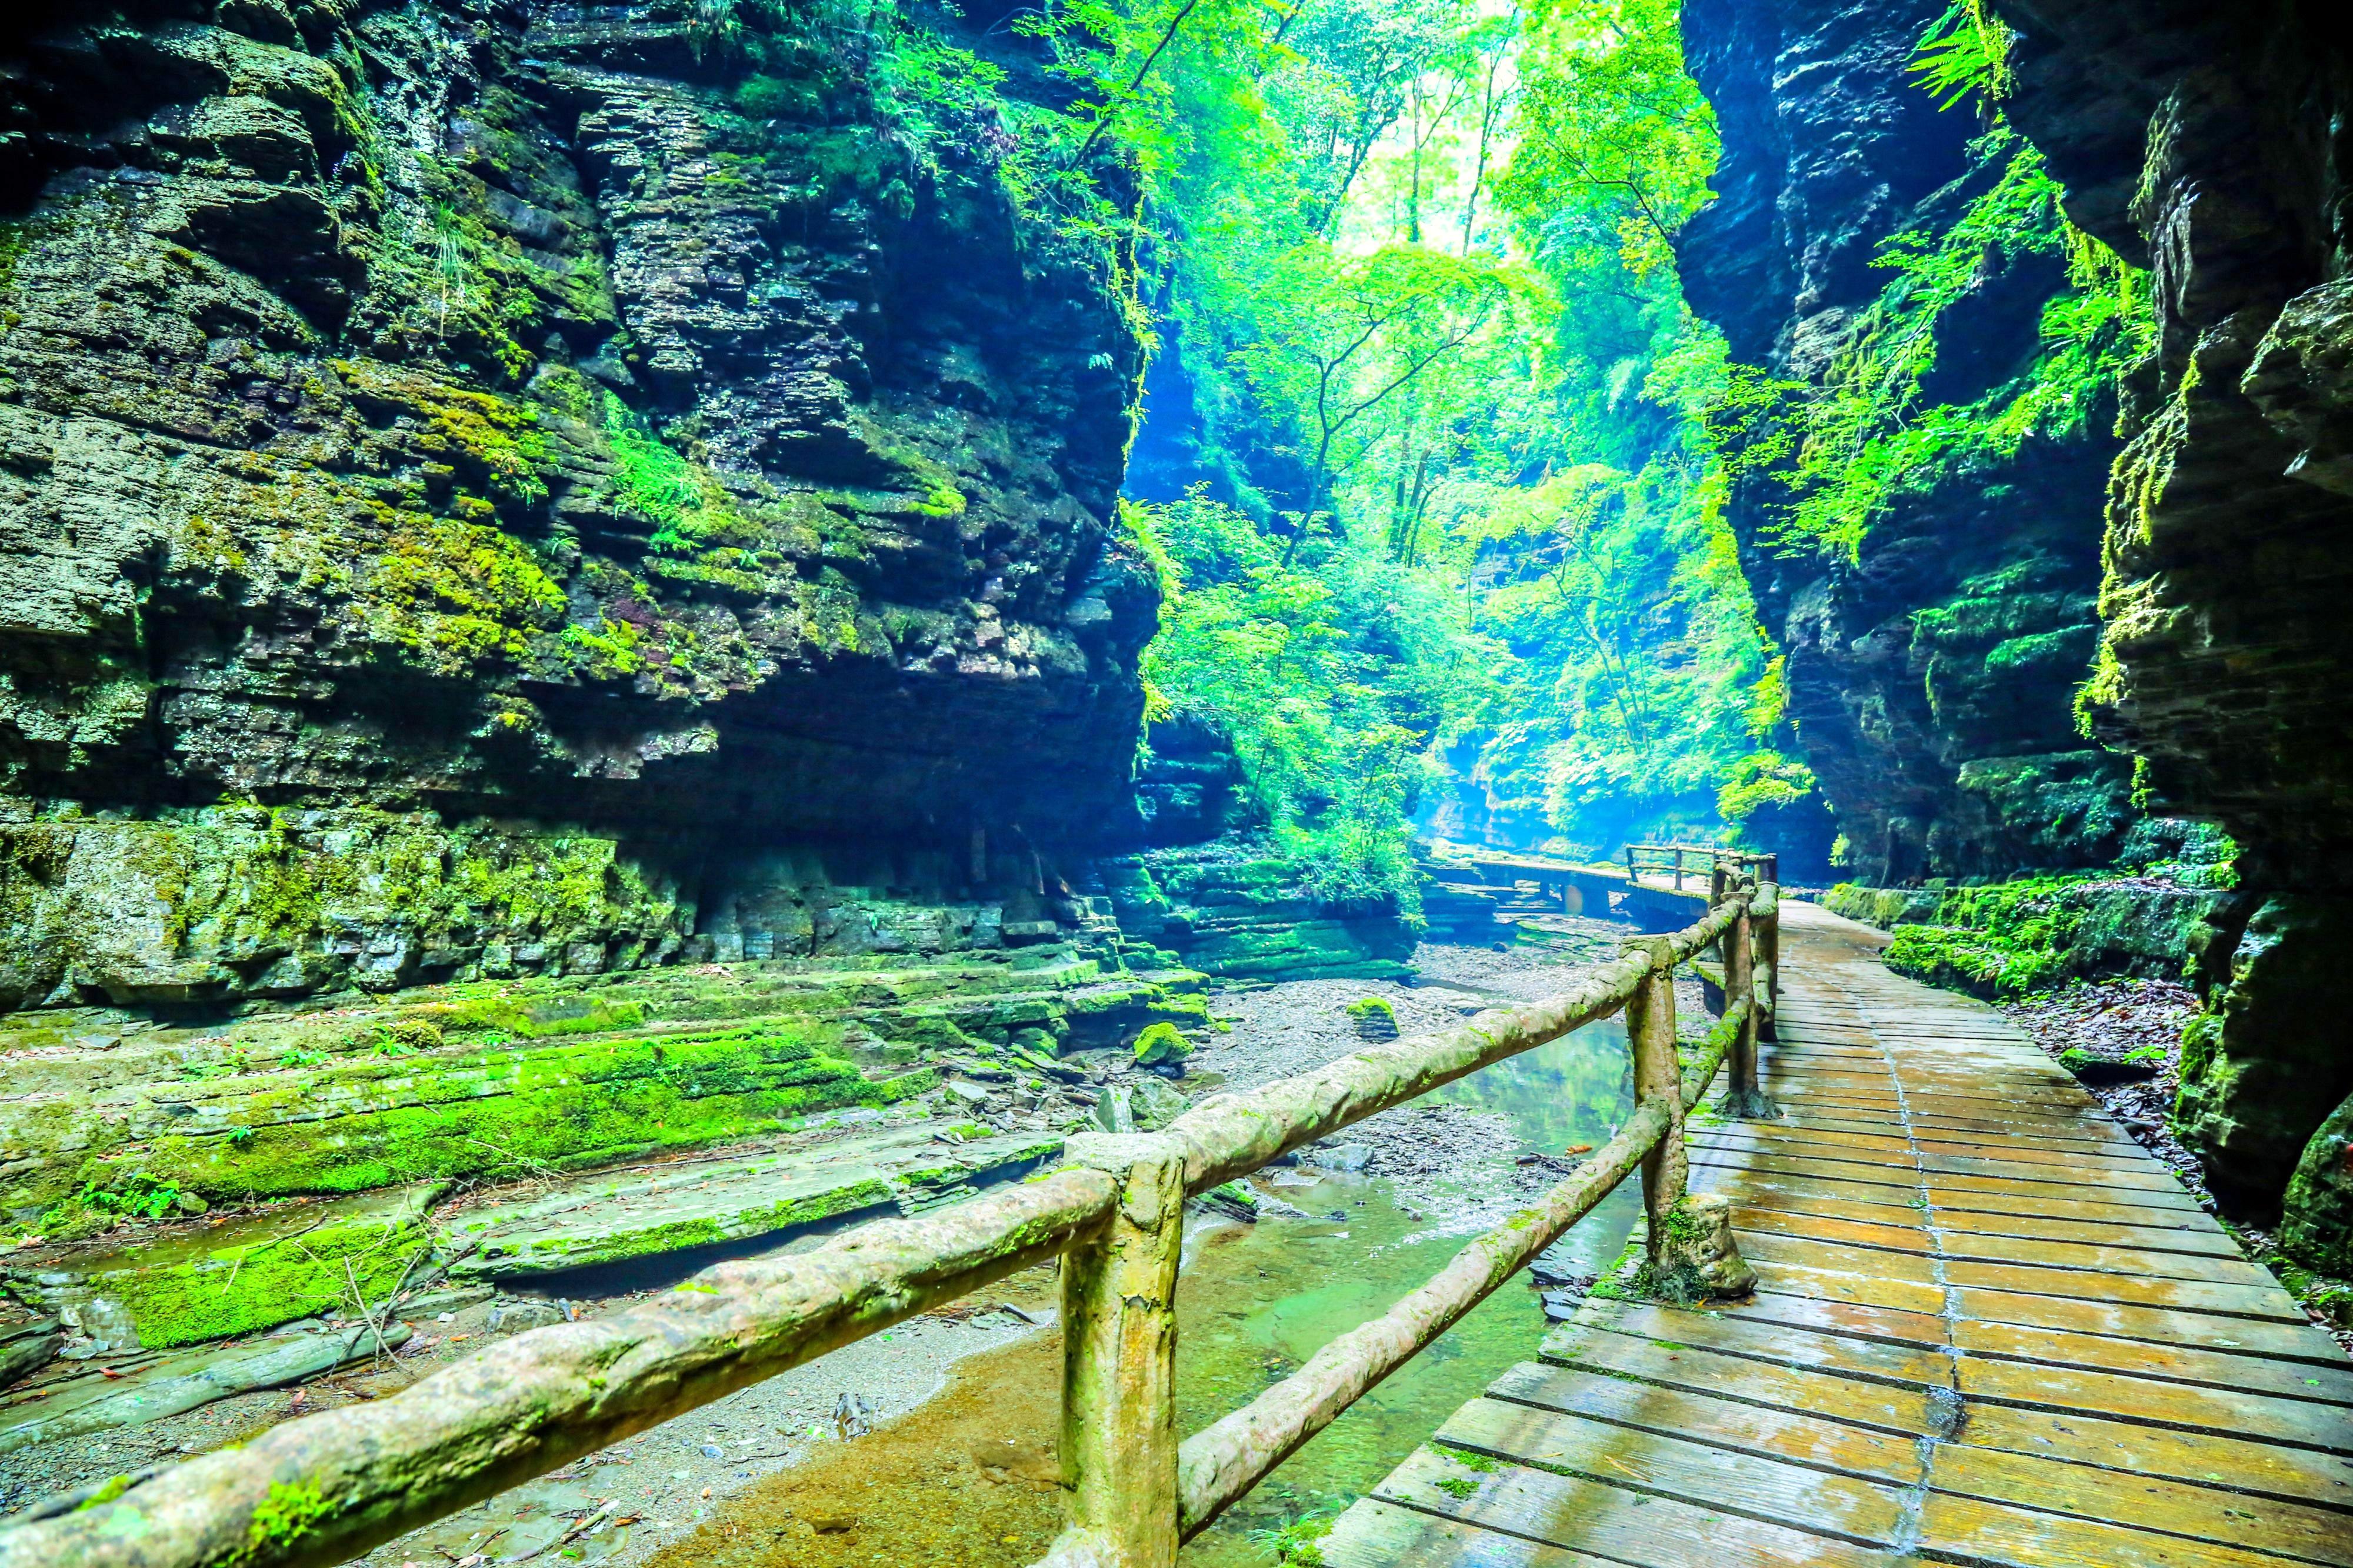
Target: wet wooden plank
{"x":1875,"y":1263}
{"x":1968,"y":1531}
{"x":1727,"y":1423}
{"x":2174,"y":1507}
{"x":1881,"y":1406}
{"x":1862,"y":1290}
{"x":2001,"y":1249}
{"x":2128,"y":1447}
{"x":1754,"y":1486}
{"x":2255,"y":1336}
{"x":1926,"y":1331}
{"x":2178,"y":1363}
{"x":2226,"y":1412}
{"x":2263,"y":1299}
{"x":1616,"y":1522}
{"x":1377,"y":1534}
{"x":1778,"y":1344}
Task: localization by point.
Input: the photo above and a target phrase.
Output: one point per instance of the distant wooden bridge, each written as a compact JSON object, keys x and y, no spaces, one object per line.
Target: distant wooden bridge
{"x":1989,"y":1329}
{"x":1655,"y":887}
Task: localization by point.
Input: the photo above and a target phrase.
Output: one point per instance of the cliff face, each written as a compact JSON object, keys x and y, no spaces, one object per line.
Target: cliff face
{"x":2211,"y":143}
{"x":1930,"y":676}
{"x":543,"y":450}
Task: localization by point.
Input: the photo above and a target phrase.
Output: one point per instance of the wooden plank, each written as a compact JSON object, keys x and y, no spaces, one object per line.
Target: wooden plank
{"x":2265,"y":1299}
{"x":1978,"y":1248}
{"x":1926,"y":1331}
{"x":2173,"y":1508}
{"x":1795,"y":1280}
{"x":2253,"y":1336}
{"x":1871,"y":1263}
{"x":1726,"y":1423}
{"x":2235,"y":1464}
{"x":1753,"y":1486}
{"x":2208,"y":1238}
{"x":1377,"y":1534}
{"x":1880,"y":1406}
{"x":1782,"y":1345}
{"x":1613,"y":1522}
{"x":1966,"y":1531}
{"x":2226,"y":1412}
{"x":2178,"y":1363}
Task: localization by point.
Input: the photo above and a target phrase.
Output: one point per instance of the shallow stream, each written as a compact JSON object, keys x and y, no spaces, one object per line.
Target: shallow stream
{"x":964,"y":1480}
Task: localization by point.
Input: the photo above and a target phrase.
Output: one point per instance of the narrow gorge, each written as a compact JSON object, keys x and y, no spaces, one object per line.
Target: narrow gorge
{"x":638,"y":638}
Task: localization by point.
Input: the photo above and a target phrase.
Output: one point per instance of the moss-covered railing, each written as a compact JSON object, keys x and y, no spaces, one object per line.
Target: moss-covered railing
{"x":326,"y":1488}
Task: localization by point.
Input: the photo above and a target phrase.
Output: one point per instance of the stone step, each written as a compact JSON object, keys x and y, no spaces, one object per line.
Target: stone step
{"x":615,"y":1215}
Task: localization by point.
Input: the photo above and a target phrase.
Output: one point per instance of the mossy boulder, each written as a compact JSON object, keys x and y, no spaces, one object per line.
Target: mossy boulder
{"x":2269,"y":1062}
{"x":1161,"y":1045}
{"x":1374,"y":1018}
{"x":2316,"y":1218}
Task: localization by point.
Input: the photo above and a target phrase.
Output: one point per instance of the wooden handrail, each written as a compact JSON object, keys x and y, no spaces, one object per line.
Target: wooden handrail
{"x":325,"y":1489}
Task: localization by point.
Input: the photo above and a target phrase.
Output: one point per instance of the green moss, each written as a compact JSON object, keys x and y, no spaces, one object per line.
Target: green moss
{"x":282,"y":1517}
{"x":242,"y":1288}
{"x":373,"y":1122}
{"x":1161,"y":1043}
{"x":1369,"y":1007}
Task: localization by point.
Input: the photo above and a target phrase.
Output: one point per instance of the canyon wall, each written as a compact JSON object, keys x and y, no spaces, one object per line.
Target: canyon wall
{"x":2210,"y":143}
{"x":492,"y":488}
{"x":1931,"y":671}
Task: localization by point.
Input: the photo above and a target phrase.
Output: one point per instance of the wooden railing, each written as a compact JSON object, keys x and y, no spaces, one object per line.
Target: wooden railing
{"x":329,"y":1487}
{"x":1724,"y":867}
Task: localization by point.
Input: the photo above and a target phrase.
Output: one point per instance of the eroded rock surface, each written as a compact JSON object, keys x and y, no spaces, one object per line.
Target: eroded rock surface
{"x":2205,"y":141}
{"x":432,"y":413}
{"x":1930,"y":676}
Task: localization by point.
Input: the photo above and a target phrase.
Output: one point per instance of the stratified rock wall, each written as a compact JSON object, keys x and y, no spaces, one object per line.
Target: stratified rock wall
{"x":1930,"y":678}
{"x":485,"y":423}
{"x":2211,"y":143}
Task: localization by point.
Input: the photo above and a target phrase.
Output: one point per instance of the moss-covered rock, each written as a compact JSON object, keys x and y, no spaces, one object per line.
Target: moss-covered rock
{"x":1159,"y":1045}
{"x":295,"y":1260}
{"x":1232,"y":909}
{"x":2269,"y":1060}
{"x":2317,"y":1215}
{"x":2007,"y":939}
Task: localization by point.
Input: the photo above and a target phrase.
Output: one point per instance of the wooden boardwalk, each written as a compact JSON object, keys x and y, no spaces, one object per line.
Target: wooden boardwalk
{"x":1989,"y":1330}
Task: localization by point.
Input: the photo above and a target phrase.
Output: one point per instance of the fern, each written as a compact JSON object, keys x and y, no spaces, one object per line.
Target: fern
{"x":1964,"y":52}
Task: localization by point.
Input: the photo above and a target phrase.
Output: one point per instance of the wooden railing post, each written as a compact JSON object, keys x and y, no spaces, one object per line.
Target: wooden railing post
{"x":1742,"y":1097}
{"x":1679,"y":868}
{"x":1658,"y":1079}
{"x":1765,"y":910}
{"x":1119,"y":1363}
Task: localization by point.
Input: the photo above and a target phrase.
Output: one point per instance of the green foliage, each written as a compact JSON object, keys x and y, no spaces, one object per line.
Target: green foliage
{"x":1332,"y":680}
{"x":1964,"y":52}
{"x":1298,"y":1543}
{"x":1372,"y":1007}
{"x":1847,"y":452}
{"x":136,"y":1196}
{"x":1454,"y":407}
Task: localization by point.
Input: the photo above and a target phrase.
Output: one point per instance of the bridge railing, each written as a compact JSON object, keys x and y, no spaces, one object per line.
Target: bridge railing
{"x":1721,"y":866}
{"x":326,"y":1488}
